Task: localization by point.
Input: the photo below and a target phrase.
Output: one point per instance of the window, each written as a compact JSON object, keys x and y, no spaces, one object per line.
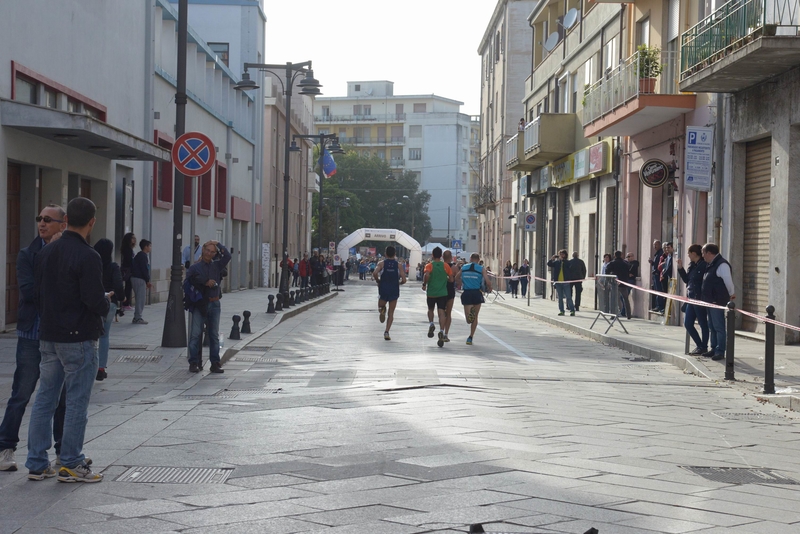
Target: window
{"x":381,"y":154}
{"x":221,"y":50}
{"x":398,"y":109}
{"x":463,"y":202}
{"x":415,"y":131}
{"x":356,"y":108}
{"x":593,"y":188}
{"x":222,"y":190}
{"x":588,"y":72}
{"x":574,"y":92}
{"x":163,"y":175}
{"x":358,"y":87}
{"x":576,"y":192}
{"x":414,"y":153}
{"x":397,"y":134}
{"x":367,"y":109}
{"x":397,"y":156}
{"x":610,"y":55}
{"x":25,"y":91}
{"x":73,"y":106}
{"x":561,"y":98}
{"x":643,"y":31}
{"x":420,"y":108}
{"x":51,"y":99}
{"x":381,"y":134}
{"x":463,"y":178}
{"x":326,"y":111}
{"x":204,"y":194}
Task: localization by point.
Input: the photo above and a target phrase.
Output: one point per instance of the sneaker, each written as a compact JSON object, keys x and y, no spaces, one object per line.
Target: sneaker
{"x":49,"y":472}
{"x":440,"y":341}
{"x":127,"y":308}
{"x":469,"y":340}
{"x":7,"y":462}
{"x":431,"y":330}
{"x":193,"y":368}
{"x":217,"y":368}
{"x":446,"y":339}
{"x":708,"y":354}
{"x":101,"y":374}
{"x":560,"y":313}
{"x":87,"y":461}
{"x":717,"y":357}
{"x":139,"y":321}
{"x":386,"y":336}
{"x":383,"y":313}
{"x":572,"y":314}
{"x":79,"y":473}
{"x":471,"y":316}
{"x":697,"y":352}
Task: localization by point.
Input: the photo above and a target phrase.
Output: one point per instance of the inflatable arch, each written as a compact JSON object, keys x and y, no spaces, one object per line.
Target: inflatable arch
{"x":382,"y":234}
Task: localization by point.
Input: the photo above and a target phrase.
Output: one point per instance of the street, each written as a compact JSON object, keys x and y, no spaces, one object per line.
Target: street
{"x":319,"y":425}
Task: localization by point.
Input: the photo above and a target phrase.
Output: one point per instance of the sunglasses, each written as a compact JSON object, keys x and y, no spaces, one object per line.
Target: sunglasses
{"x":47,"y":219}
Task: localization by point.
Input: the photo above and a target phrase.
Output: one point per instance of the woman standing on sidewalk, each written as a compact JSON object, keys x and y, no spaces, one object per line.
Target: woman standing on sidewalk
{"x":112,"y":281}
{"x":694,"y":281}
{"x":514,"y":281}
{"x":507,"y":275}
{"x":126,"y":249}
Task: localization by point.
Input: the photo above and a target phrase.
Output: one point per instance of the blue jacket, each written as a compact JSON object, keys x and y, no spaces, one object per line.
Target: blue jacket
{"x":141,"y":266}
{"x":693,"y":278}
{"x":26,"y":314}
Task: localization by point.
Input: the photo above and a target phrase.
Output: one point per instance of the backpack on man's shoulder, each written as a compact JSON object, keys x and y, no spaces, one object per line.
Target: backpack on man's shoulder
{"x":192,"y":297}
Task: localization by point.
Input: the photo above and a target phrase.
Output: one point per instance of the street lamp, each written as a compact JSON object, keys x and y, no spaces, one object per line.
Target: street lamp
{"x":308,"y":86}
{"x":413,"y":208}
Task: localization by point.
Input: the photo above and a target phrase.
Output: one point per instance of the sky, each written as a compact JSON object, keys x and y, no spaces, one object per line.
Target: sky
{"x":423,"y":46}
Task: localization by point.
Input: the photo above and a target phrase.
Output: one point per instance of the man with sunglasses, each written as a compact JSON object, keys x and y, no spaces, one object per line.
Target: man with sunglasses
{"x":50,"y":224}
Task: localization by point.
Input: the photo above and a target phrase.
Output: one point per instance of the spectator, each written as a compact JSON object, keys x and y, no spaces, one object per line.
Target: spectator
{"x":140,"y":276}
{"x":514,"y":280}
{"x":112,"y":284}
{"x":578,"y":273}
{"x":717,"y":288}
{"x":187,"y":257}
{"x":633,"y":271}
{"x":655,"y":273}
{"x":606,"y":261}
{"x":295,"y":273}
{"x":694,"y":284}
{"x":126,"y":250}
{"x":304,"y":271}
{"x":621,"y":269}
{"x":72,"y":304}
{"x":561,"y":274}
{"x":524,"y":272}
{"x":665,"y":273}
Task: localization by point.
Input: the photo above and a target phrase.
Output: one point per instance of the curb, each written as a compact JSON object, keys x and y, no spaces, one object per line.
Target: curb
{"x":230,"y":352}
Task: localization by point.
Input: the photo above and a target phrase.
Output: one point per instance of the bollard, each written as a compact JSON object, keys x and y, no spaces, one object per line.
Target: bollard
{"x":299,"y":297}
{"x":303,"y":293}
{"x":286,"y":302}
{"x":291,"y":298}
{"x":314,"y":291}
{"x":246,"y":323}
{"x":769,"y":353}
{"x":278,"y":302}
{"x":271,"y":305}
{"x":730,"y":331}
{"x":235,"y":328}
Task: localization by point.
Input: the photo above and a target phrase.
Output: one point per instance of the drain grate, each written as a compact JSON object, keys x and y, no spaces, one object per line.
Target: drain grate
{"x":259,"y":359}
{"x":217,"y":395}
{"x":175,"y":475}
{"x":176,"y":375}
{"x":139,"y":358}
{"x":741,"y":475}
{"x":254,"y":390}
{"x":748,"y":416}
{"x":257,"y":348}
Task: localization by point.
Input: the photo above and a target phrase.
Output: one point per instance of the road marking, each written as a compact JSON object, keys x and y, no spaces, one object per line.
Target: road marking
{"x":503,"y":343}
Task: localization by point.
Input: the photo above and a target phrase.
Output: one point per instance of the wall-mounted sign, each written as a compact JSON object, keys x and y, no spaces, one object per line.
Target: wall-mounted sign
{"x":654,"y":173}
{"x":699,"y":148}
{"x":530,"y":222}
{"x":562,"y":172}
{"x":581,"y":169}
{"x":544,"y":178}
{"x":597,"y":158}
{"x":523,"y":186}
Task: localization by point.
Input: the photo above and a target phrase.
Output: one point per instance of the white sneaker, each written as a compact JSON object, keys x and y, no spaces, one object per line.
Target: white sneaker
{"x":7,"y":462}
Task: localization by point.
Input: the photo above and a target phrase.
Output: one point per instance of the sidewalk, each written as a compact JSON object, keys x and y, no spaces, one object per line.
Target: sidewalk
{"x":658,"y":342}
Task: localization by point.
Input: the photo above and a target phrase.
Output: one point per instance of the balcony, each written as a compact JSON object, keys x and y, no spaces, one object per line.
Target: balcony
{"x":389,"y":117}
{"x":484,"y":197}
{"x":741,"y":44}
{"x":625,"y":104}
{"x":514,"y":149}
{"x":372,"y":140}
{"x":397,"y":162}
{"x":548,"y":137}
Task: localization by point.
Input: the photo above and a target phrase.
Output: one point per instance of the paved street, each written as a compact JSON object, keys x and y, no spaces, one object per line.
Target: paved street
{"x":319,"y":425}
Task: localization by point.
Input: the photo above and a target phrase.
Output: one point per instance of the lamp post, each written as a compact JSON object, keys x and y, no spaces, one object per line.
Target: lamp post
{"x":308,"y":86}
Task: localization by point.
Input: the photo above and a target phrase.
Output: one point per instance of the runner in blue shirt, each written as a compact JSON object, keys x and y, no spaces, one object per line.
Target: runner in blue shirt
{"x":472,"y":278}
{"x":389,"y":277}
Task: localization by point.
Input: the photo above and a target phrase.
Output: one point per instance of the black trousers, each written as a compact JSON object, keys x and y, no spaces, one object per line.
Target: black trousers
{"x":578,"y":290}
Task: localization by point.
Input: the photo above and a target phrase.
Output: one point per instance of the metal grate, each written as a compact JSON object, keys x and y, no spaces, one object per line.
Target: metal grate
{"x":741,"y":475}
{"x":139,"y":358}
{"x":175,"y":475}
{"x":218,"y":395}
{"x":259,"y":359}
{"x":257,"y":348}
{"x":176,"y":375}
{"x":749,"y":416}
{"x":254,"y":390}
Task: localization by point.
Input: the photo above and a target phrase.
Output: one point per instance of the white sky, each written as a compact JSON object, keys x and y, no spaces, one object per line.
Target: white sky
{"x":423,"y":46}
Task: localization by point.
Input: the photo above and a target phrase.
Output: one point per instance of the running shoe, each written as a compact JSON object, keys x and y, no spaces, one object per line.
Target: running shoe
{"x":471,"y":315}
{"x":469,"y":340}
{"x":48,"y":472}
{"x":440,"y":342}
{"x":383,"y":313}
{"x":431,"y":330}
{"x":446,"y":339}
{"x":79,"y":473}
{"x":386,"y":336}
{"x":572,"y":314}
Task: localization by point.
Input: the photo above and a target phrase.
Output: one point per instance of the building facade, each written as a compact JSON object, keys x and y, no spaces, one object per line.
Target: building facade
{"x":423,"y":134}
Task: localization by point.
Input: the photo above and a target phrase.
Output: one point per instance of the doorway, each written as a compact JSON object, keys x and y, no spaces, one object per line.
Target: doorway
{"x":14,"y":178}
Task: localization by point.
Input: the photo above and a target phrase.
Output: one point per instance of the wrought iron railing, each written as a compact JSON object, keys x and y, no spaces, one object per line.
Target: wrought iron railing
{"x":483,"y":196}
{"x":733,"y":25}
{"x":624,"y":84}
{"x":386,"y":117}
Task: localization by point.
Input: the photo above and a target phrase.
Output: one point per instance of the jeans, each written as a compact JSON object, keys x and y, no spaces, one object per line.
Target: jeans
{"x":25,"y":377}
{"x":140,"y":294}
{"x":102,"y":350}
{"x":656,"y":287}
{"x":514,"y":285}
{"x":564,"y":291}
{"x":294,"y":279}
{"x":303,"y":282}
{"x":73,"y":367}
{"x":524,"y":284}
{"x":716,"y":326}
{"x":211,"y":320}
{"x":701,"y":315}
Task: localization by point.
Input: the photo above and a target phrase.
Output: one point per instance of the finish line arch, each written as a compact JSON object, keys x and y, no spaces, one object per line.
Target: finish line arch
{"x":382,"y":234}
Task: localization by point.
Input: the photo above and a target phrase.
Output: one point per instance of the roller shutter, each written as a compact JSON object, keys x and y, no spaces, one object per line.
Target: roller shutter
{"x":755,"y":279}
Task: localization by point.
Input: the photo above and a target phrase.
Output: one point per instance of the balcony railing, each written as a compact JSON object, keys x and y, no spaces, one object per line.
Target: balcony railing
{"x":386,"y":117}
{"x":532,"y":134}
{"x":397,"y":162}
{"x":511,"y":150}
{"x":371,"y":140}
{"x":624,"y":84}
{"x":732,"y":26}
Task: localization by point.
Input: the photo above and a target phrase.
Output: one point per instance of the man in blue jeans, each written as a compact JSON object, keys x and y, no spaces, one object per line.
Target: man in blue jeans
{"x":72,"y":305}
{"x":717,"y":289}
{"x":206,"y":276}
{"x":50,"y":224}
{"x":561,"y":274}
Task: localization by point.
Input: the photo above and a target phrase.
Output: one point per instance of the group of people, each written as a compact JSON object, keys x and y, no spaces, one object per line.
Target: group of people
{"x":441,"y":277}
{"x":567,"y":275}
{"x":662,"y":271}
{"x":516,"y":276}
{"x":626,"y":270}
{"x":307,"y":271}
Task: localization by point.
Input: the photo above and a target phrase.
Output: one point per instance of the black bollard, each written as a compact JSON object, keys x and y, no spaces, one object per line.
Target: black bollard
{"x":286,"y":302}
{"x":769,"y":353}
{"x":731,"y":333}
{"x":291,"y":298}
{"x":314,"y":292}
{"x":271,"y":305}
{"x":301,"y":295}
{"x":235,"y":328}
{"x":246,"y":323}
{"x":278,"y":302}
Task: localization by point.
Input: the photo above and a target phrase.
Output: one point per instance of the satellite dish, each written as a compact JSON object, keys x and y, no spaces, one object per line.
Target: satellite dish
{"x":551,"y":42}
{"x":570,"y":18}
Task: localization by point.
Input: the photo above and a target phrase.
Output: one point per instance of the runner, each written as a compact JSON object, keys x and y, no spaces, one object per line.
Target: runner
{"x":451,"y":293}
{"x":389,"y":277}
{"x":434,"y":283}
{"x":471,"y":277}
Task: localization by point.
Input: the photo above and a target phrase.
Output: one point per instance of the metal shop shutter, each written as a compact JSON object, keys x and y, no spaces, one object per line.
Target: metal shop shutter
{"x":755,"y":280}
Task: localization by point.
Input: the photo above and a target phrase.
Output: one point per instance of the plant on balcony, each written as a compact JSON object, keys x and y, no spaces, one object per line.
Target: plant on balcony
{"x":648,"y":67}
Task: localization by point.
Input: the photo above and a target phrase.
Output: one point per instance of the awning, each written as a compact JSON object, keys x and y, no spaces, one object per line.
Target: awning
{"x":78,"y":131}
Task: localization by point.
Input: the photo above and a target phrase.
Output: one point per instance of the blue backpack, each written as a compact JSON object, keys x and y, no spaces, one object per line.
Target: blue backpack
{"x":191,"y":296}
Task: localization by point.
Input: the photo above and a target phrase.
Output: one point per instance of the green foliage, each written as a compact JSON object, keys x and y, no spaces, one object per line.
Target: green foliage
{"x":648,"y":61}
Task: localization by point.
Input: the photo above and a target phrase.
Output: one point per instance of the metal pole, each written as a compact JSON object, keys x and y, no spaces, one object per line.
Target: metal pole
{"x":174,"y":334}
{"x":287,"y":92}
{"x":321,"y":179}
{"x":731,"y":333}
{"x":769,"y":353}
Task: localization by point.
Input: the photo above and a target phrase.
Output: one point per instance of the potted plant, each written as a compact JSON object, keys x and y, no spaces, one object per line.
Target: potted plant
{"x":648,"y":66}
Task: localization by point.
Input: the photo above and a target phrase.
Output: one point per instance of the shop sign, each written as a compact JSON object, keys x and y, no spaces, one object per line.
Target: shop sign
{"x":544,"y":178}
{"x":581,"y":169}
{"x":562,"y":172}
{"x":699,"y":148}
{"x":654,"y":173}
{"x":597,"y":158}
{"x":523,"y":186}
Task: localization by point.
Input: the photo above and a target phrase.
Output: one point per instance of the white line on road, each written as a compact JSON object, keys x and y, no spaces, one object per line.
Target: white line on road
{"x":503,"y":343}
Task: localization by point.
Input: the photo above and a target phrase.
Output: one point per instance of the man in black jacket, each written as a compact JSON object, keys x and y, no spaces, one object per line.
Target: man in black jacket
{"x":140,"y":278}
{"x":561,"y":274}
{"x":578,"y":273}
{"x":72,"y":304}
{"x":621,"y":269}
{"x":50,"y":223}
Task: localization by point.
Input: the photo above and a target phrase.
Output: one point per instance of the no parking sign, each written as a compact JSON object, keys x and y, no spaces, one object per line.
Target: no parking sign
{"x":530,"y":222}
{"x":193,"y":154}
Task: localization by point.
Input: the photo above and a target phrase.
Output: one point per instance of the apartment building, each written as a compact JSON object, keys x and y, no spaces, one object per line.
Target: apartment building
{"x":423,"y":134}
{"x":505,"y":51}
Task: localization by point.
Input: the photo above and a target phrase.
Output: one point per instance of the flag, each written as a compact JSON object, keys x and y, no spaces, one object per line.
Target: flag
{"x":328,"y":165}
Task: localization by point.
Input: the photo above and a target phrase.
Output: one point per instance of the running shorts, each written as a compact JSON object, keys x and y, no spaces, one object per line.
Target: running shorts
{"x":437,"y":302}
{"x":471,"y":297}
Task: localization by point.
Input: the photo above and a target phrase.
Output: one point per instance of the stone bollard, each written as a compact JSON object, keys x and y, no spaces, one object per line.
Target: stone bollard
{"x":278,"y":302}
{"x":286,"y":302}
{"x":235,"y":328}
{"x":246,"y":323}
{"x":292,"y":299}
{"x":271,"y":305}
